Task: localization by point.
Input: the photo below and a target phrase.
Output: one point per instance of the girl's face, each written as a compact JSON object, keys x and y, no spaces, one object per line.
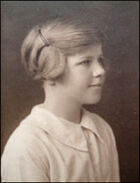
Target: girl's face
{"x":84,"y":76}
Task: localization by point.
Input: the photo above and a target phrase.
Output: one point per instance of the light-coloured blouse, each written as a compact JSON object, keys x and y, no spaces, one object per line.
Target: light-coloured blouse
{"x":46,"y":148}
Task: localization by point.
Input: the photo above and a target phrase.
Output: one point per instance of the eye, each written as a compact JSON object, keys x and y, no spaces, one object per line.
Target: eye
{"x":101,"y":60}
{"x":85,"y":62}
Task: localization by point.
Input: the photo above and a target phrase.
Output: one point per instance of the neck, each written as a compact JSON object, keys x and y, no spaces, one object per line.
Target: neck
{"x":62,"y":106}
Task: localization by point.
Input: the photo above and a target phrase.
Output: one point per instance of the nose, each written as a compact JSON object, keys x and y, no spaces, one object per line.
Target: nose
{"x":98,"y":70}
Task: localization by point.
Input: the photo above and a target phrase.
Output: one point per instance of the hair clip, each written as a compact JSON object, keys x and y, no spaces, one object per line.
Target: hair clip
{"x":43,"y":39}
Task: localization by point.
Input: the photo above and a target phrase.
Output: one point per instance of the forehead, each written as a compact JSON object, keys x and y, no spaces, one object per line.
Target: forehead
{"x":90,"y":51}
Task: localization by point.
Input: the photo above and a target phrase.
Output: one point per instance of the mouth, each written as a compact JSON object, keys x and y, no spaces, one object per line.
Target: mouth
{"x":95,"y":85}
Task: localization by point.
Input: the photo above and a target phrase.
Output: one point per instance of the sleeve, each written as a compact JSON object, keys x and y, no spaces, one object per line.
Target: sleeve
{"x":22,"y":161}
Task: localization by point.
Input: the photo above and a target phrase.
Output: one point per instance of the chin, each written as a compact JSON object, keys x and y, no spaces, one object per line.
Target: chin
{"x":94,"y":100}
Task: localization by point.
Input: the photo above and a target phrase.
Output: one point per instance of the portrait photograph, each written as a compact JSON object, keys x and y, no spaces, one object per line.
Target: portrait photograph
{"x":70,"y":91}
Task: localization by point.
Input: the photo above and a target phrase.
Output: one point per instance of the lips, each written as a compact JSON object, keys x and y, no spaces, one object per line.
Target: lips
{"x":95,"y":85}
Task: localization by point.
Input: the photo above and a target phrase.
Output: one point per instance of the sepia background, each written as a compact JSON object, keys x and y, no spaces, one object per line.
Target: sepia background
{"x":119,"y":104}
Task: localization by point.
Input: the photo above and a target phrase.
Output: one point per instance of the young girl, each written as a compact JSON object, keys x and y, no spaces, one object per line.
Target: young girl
{"x":60,"y":141}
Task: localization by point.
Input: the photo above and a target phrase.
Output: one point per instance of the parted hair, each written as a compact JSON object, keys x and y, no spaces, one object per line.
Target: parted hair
{"x":45,"y":48}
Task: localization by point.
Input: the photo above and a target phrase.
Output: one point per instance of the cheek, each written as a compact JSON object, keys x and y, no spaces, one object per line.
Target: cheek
{"x":80,"y":81}
{"x":81,"y":76}
{"x":77,"y":79}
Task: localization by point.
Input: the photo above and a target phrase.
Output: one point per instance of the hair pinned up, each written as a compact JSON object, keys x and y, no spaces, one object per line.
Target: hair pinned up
{"x":46,"y":47}
{"x":43,"y":39}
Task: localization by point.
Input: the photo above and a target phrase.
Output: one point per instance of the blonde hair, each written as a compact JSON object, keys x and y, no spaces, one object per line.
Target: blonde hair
{"x":46,"y":47}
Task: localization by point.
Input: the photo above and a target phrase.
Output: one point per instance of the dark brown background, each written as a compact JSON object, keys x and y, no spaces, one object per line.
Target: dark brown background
{"x":119,"y":104}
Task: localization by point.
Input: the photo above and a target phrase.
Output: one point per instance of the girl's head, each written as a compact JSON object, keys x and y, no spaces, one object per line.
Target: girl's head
{"x":67,"y":52}
{"x":47,"y":46}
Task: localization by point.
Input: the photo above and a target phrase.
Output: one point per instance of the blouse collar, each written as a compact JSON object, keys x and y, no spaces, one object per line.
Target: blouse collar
{"x":64,"y":131}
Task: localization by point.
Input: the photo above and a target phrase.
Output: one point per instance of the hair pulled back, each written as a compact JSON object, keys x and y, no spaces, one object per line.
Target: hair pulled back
{"x":45,"y":49}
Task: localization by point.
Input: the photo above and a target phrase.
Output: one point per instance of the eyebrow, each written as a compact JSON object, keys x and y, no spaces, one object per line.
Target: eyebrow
{"x":90,"y":57}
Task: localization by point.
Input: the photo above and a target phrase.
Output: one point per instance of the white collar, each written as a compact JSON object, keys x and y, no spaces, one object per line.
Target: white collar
{"x":64,"y":131}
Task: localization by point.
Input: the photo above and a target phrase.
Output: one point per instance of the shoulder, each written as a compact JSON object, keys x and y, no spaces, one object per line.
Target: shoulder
{"x":102,"y":123}
{"x":102,"y":126}
{"x":99,"y":121}
{"x":24,"y":155}
{"x":25,"y":138}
